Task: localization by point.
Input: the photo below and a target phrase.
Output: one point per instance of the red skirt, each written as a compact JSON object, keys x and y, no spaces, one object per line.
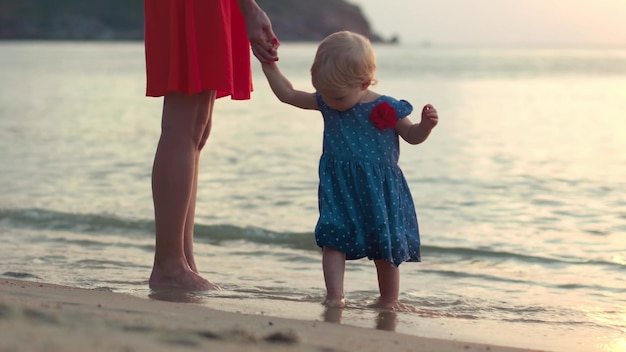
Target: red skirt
{"x":196,"y":45}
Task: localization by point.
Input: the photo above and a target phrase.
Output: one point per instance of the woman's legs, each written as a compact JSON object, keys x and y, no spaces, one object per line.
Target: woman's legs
{"x":186,"y":124}
{"x":334,"y":266}
{"x":388,"y":284}
{"x":190,"y":223}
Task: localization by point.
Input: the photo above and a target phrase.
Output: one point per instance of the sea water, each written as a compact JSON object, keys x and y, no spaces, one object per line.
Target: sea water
{"x":520,"y":189}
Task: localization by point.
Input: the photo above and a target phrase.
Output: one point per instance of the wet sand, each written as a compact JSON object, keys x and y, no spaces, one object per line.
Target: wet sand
{"x":36,"y":316}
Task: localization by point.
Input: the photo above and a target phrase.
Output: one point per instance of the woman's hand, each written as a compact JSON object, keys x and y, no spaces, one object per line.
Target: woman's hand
{"x":263,"y":41}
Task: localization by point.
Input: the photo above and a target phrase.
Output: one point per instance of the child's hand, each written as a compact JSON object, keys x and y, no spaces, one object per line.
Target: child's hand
{"x":429,"y":116}
{"x":274,"y":49}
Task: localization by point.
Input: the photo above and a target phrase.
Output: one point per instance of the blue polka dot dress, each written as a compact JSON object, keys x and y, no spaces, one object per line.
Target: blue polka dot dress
{"x":366,"y":208}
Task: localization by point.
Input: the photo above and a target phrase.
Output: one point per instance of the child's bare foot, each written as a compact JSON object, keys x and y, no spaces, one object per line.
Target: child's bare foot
{"x":386,"y":303}
{"x":182,"y":279}
{"x":335,"y":303}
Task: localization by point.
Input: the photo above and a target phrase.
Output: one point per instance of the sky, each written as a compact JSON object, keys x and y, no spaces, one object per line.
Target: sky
{"x":562,"y":22}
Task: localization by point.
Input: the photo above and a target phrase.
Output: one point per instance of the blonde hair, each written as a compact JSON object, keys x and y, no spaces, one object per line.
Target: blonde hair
{"x":343,"y":59}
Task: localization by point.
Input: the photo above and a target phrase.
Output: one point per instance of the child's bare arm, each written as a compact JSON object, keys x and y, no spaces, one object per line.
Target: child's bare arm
{"x":284,"y":91}
{"x":417,"y":133}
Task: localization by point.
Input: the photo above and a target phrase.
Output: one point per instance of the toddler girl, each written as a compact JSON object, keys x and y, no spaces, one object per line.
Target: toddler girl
{"x":365,"y":206}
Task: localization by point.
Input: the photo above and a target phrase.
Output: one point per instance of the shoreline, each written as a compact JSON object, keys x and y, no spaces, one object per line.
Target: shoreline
{"x":37,"y":316}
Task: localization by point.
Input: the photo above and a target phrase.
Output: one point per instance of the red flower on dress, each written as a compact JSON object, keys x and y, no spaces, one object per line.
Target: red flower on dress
{"x":384,"y":116}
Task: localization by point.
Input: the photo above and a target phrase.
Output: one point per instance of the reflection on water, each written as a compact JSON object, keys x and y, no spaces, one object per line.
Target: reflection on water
{"x":178,"y":296}
{"x":333,"y":315}
{"x":386,"y":319}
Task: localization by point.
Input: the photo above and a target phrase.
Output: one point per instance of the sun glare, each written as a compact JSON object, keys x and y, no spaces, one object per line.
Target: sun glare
{"x":617,"y":318}
{"x":616,"y":345}
{"x":619,"y":260}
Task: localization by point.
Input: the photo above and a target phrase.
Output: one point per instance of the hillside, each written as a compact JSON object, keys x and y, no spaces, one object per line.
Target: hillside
{"x":293,"y":20}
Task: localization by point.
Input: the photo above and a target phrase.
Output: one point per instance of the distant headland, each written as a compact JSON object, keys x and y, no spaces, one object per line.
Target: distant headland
{"x":293,"y":20}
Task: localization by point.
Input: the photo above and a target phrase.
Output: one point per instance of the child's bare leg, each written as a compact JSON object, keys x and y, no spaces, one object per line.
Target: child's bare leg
{"x":388,"y":284}
{"x":334,"y":265}
{"x":191,"y":213}
{"x":183,"y":124}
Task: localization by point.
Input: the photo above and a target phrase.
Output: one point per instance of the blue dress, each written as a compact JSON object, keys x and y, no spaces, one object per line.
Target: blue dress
{"x":365,"y":206}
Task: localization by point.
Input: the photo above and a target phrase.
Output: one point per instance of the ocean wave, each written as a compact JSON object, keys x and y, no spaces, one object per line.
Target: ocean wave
{"x":103,"y":224}
{"x":487,"y":253}
{"x":44,"y":219}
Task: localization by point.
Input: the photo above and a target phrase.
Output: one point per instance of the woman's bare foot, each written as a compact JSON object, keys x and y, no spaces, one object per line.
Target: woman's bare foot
{"x":180,"y":279}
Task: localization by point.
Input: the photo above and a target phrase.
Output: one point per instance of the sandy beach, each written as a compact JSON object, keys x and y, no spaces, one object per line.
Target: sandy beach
{"x":37,"y":316}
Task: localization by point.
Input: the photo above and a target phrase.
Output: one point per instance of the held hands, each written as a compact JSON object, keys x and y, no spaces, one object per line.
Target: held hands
{"x":429,"y":117}
{"x":263,"y":41}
